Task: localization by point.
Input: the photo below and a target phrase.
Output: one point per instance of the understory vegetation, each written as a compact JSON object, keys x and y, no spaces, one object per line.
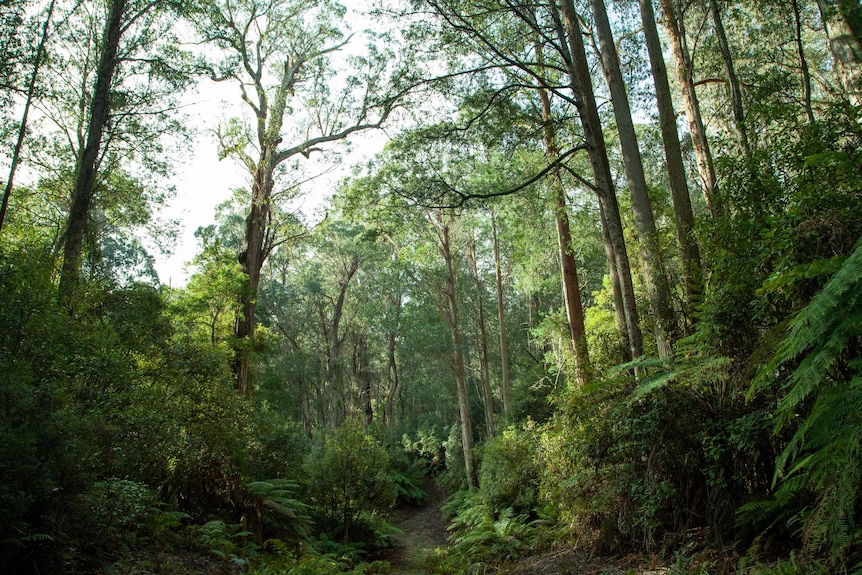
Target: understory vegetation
{"x":586,"y":327}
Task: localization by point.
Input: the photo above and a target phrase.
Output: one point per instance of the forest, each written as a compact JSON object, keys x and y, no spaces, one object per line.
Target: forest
{"x":597,"y":295}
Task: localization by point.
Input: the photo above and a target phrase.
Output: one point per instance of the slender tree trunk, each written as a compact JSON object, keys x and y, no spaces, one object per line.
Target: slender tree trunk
{"x":690,"y":254}
{"x":803,"y":63}
{"x":305,"y":411}
{"x":843,"y":22}
{"x":22,"y":129}
{"x":501,"y":315}
{"x":657,"y":285}
{"x":334,"y":328}
{"x":616,"y":290}
{"x":394,"y":385}
{"x":484,"y":363}
{"x":85,"y":172}
{"x":451,"y":296}
{"x":364,"y":378}
{"x":732,"y":79}
{"x":581,"y":85}
{"x":568,"y":266}
{"x":685,"y":76}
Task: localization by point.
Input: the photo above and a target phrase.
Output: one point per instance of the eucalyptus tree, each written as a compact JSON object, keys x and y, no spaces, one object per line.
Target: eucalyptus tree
{"x":677,"y":179}
{"x":568,"y":266}
{"x":505,"y":380}
{"x":11,"y":16}
{"x":656,"y":281}
{"x":484,"y":356}
{"x":120,"y":80}
{"x":674,"y":23}
{"x":442,"y":224}
{"x":282,"y":56}
{"x":733,"y":82}
{"x":502,"y":38}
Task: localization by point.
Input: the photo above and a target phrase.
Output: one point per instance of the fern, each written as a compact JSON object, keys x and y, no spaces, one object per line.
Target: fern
{"x":824,"y":455}
{"x":277,"y":496}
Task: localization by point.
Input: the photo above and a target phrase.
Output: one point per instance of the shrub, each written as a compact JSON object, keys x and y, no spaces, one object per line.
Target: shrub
{"x":348,"y":477}
{"x":509,"y":472}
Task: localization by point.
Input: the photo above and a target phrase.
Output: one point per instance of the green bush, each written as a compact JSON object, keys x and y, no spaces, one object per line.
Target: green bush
{"x":349,"y":478}
{"x":510,"y":469}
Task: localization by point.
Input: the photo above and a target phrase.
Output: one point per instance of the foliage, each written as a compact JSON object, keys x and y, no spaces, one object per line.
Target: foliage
{"x":481,"y":538}
{"x":349,"y":480}
{"x":823,"y":456}
{"x":510,"y":468}
{"x":408,"y":483}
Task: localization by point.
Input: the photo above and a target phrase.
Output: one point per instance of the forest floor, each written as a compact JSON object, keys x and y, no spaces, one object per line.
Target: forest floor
{"x":418,"y":547}
{"x":422,"y":532}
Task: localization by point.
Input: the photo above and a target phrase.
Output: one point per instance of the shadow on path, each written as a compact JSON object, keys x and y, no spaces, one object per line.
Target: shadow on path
{"x":422,"y":532}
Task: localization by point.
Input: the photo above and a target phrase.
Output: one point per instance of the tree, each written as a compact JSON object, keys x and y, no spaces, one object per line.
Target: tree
{"x":505,"y":384}
{"x":675,"y":27}
{"x":678,"y":182}
{"x":580,"y":82}
{"x":282,"y":52}
{"x":85,"y":170}
{"x":31,"y":93}
{"x":108,"y":96}
{"x":657,"y":284}
{"x":733,"y":82}
{"x":568,"y":266}
{"x":442,"y":224}
{"x":350,"y":476}
{"x":484,"y":361}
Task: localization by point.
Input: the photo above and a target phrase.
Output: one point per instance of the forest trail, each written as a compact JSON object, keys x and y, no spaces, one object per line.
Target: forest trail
{"x":422,"y":531}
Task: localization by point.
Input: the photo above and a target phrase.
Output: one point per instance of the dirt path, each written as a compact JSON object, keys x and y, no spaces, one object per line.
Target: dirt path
{"x":422,"y":531}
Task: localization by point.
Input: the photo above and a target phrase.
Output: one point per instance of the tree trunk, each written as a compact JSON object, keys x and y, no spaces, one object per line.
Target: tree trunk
{"x":393,"y":385}
{"x":581,"y":84}
{"x":732,"y":79}
{"x":656,"y":279}
{"x":568,"y":266}
{"x":457,"y":352}
{"x":685,"y":76}
{"x":28,"y":102}
{"x":364,"y":378}
{"x":334,"y":328}
{"x":251,"y":258}
{"x":690,"y":254}
{"x":501,"y":315}
{"x":484,"y":363}
{"x":803,"y":63}
{"x":85,"y":173}
{"x":843,"y":22}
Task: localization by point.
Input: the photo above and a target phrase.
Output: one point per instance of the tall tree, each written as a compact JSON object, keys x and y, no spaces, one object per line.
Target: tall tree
{"x":733,"y":83}
{"x":505,"y":382}
{"x":580,"y":81}
{"x":85,"y":171}
{"x":657,"y":284}
{"x":281,"y":51}
{"x":843,"y":22}
{"x":484,"y":361}
{"x":110,"y":99}
{"x":25,"y":115}
{"x":675,"y":26}
{"x":568,"y":266}
{"x":442,"y":223}
{"x":684,"y":218}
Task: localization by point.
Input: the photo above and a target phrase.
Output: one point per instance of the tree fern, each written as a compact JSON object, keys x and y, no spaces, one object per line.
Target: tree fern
{"x":824,"y":455}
